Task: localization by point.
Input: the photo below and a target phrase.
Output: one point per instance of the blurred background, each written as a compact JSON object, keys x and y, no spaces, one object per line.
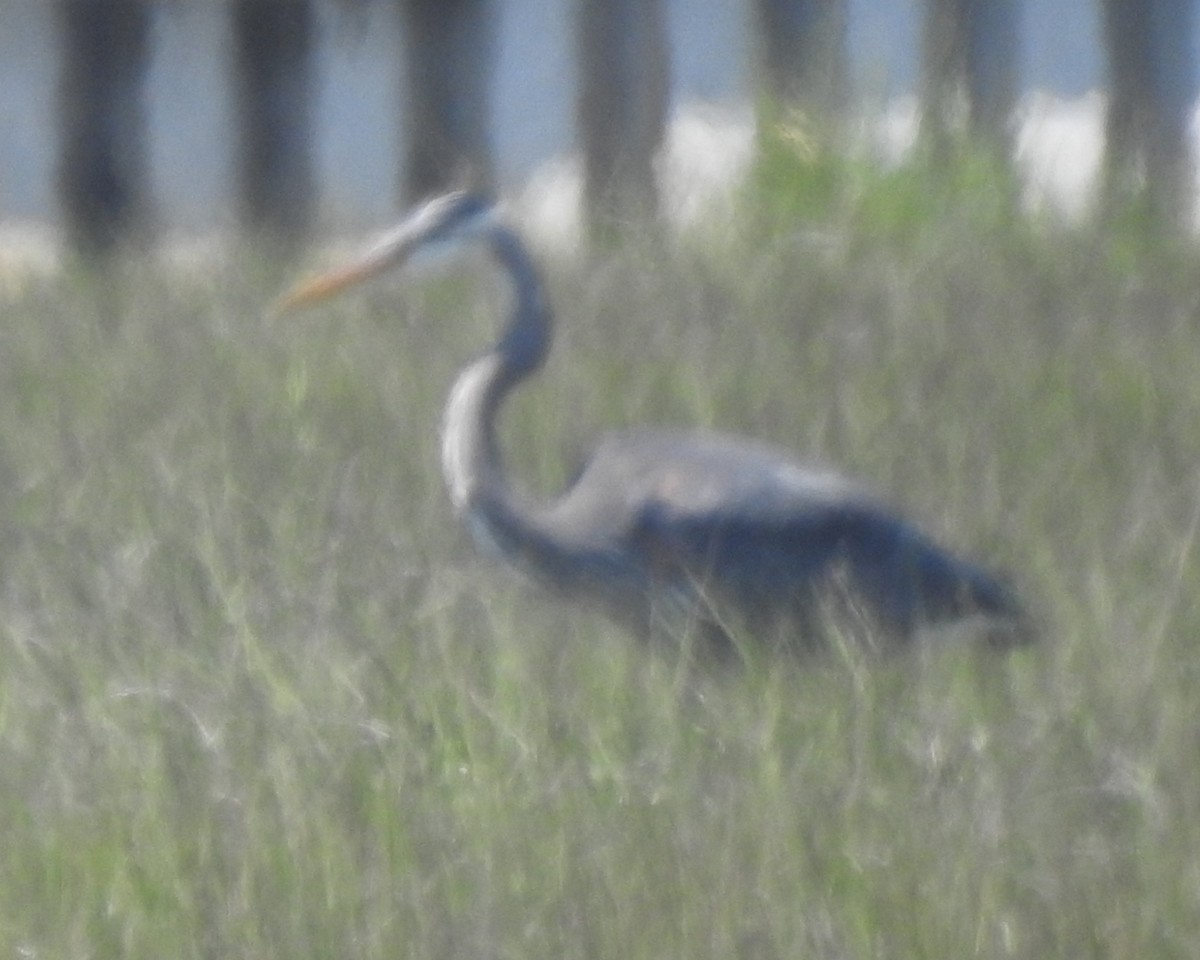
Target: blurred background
{"x":120,"y":116}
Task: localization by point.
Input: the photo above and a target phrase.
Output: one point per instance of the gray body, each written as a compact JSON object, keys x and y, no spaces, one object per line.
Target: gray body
{"x":678,"y":530}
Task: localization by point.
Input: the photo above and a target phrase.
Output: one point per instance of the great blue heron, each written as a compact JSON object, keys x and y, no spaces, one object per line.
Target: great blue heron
{"x":673,"y":526}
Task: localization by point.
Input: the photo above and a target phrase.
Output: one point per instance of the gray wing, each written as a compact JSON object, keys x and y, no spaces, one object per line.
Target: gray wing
{"x":758,"y":527}
{"x":657,"y":479}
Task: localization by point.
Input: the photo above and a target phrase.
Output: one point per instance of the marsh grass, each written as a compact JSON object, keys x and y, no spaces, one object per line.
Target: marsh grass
{"x":258,"y":698}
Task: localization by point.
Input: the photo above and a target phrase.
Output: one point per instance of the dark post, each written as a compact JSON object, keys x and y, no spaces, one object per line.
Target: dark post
{"x":102,"y":160}
{"x":1151,"y":88}
{"x":803,"y":53}
{"x":970,"y":52}
{"x":623,"y":99}
{"x":449,"y":56}
{"x":273,"y":47}
{"x":993,"y":57}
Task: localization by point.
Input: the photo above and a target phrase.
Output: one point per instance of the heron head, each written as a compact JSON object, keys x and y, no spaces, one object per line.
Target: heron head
{"x":442,"y":224}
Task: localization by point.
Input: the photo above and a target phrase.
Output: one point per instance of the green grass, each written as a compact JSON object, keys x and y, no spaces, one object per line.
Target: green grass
{"x":259,"y":699}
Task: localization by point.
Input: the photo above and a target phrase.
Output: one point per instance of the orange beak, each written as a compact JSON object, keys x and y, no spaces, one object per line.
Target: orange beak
{"x":390,"y":251}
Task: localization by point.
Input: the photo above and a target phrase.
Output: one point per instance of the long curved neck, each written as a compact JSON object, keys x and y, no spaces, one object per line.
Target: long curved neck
{"x":471,"y":460}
